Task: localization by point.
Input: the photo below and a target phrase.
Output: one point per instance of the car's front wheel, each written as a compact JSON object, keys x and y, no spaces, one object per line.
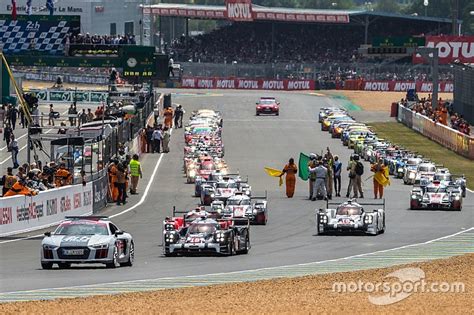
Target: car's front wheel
{"x":131,"y":256}
{"x":47,"y":265}
{"x":114,"y":263}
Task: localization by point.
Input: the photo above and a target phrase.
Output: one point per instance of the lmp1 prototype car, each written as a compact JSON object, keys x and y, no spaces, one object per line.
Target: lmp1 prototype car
{"x":242,"y":206}
{"x":267,"y":105}
{"x":436,"y":196}
{"x":87,"y":239}
{"x":204,"y":235}
{"x":350,"y":216}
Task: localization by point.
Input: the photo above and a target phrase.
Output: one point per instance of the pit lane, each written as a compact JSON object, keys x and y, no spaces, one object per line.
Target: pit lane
{"x":251,"y":143}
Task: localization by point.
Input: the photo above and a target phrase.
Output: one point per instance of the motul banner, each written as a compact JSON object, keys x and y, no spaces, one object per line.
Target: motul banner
{"x":246,"y":84}
{"x":397,"y":86}
{"x":239,"y":10}
{"x":450,"y":48}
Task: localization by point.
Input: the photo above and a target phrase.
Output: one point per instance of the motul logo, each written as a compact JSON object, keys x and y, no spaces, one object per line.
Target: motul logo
{"x":298,"y":85}
{"x":450,"y":48}
{"x":239,"y":10}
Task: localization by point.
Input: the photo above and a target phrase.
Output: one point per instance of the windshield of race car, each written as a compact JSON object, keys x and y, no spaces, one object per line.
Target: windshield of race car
{"x":208,"y":166}
{"x":434,"y":189}
{"x":441,"y":177}
{"x":267,"y":102}
{"x":205,"y":228}
{"x":427,"y":169}
{"x":348,"y":210}
{"x":69,"y":228}
{"x":238,"y":202}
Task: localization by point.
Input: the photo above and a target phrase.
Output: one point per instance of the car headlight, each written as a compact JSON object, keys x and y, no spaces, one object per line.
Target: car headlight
{"x":323,"y":219}
{"x":220,"y":237}
{"x":100,"y":246}
{"x":414,"y":196}
{"x":400,"y":170}
{"x":457,"y":197}
{"x":254,"y":211}
{"x":368,"y":219}
{"x":411,"y":175}
{"x":247,"y":192}
{"x":169,"y":237}
{"x":212,"y":195}
{"x":192,"y":173}
{"x":49,"y":247}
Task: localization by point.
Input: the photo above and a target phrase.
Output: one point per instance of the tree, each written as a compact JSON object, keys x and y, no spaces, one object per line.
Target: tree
{"x":387,"y":6}
{"x":445,"y":9}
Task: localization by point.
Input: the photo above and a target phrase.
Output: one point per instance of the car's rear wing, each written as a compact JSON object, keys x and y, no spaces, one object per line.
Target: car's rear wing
{"x":382,"y":203}
{"x":175,"y":212}
{"x":241,"y":221}
{"x":260,"y":197}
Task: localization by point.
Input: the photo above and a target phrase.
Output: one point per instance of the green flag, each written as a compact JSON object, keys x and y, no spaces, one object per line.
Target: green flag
{"x":303,"y":171}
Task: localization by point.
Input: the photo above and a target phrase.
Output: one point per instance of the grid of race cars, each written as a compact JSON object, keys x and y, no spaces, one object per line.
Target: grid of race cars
{"x":434,"y":186}
{"x":220,"y":225}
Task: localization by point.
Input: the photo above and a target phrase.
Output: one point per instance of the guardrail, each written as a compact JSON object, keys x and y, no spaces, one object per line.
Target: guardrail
{"x":20,"y":214}
{"x":444,"y":135}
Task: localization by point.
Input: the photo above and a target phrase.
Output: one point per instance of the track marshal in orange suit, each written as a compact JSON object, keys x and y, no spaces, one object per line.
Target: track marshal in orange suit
{"x":290,"y":170}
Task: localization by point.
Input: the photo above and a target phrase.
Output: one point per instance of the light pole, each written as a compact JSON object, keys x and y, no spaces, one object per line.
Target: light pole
{"x":426,"y":3}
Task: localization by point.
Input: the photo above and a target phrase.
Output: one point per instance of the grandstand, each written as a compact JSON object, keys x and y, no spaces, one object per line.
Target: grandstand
{"x":288,"y":35}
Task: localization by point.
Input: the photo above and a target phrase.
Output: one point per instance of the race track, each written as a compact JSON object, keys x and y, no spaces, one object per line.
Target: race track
{"x":251,"y":143}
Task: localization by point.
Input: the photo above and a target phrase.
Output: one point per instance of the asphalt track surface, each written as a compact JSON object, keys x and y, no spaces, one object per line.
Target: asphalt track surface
{"x":251,"y":143}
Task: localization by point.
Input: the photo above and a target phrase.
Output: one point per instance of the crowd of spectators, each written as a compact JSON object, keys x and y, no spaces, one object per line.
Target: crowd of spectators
{"x":443,"y":114}
{"x":101,"y":39}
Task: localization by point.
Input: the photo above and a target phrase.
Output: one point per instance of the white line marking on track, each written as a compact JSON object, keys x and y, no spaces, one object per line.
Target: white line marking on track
{"x":250,"y":270}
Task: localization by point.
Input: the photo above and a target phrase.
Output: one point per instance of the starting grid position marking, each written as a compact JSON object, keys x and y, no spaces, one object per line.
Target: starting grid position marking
{"x":452,"y":245}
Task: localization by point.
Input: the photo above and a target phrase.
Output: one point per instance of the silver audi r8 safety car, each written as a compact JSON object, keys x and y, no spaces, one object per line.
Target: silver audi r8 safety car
{"x":350,"y":216}
{"x":87,"y":239}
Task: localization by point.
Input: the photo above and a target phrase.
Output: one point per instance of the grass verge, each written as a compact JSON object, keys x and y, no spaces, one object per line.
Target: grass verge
{"x":409,"y":139}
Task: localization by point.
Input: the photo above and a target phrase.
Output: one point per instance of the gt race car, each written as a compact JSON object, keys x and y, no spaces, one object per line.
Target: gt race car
{"x":350,"y":216}
{"x":87,"y":239}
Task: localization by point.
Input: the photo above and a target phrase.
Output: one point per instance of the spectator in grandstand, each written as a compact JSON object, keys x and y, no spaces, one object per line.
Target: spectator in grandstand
{"x":103,"y":39}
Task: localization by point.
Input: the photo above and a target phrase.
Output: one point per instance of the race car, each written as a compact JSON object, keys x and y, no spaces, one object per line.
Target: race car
{"x":87,"y":239}
{"x":350,"y":216}
{"x":446,"y":178}
{"x":242,"y":206}
{"x":205,"y":235}
{"x":410,"y":170}
{"x":436,"y":196}
{"x":267,"y":105}
{"x":425,"y":170}
{"x":220,"y":190}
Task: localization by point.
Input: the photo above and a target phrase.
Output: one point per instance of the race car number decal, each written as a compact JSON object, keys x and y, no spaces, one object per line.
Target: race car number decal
{"x":345,"y":221}
{"x":76,"y":239}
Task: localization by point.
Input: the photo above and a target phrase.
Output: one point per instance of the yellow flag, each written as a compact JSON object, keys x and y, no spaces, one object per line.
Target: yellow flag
{"x":383,"y":177}
{"x":275,"y":173}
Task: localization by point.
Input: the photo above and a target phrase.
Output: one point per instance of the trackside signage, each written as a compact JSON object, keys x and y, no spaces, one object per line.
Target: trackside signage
{"x":397,"y":86}
{"x":450,"y":48}
{"x":23,"y":213}
{"x":239,"y":10}
{"x":247,"y":84}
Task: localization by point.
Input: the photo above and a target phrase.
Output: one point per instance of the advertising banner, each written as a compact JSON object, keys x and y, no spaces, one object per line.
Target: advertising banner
{"x":444,"y":135}
{"x":398,"y":86}
{"x":42,"y":34}
{"x":20,"y":214}
{"x":239,"y":10}
{"x":450,"y":48}
{"x":100,"y":188}
{"x":246,"y":84}
{"x":68,"y":96}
